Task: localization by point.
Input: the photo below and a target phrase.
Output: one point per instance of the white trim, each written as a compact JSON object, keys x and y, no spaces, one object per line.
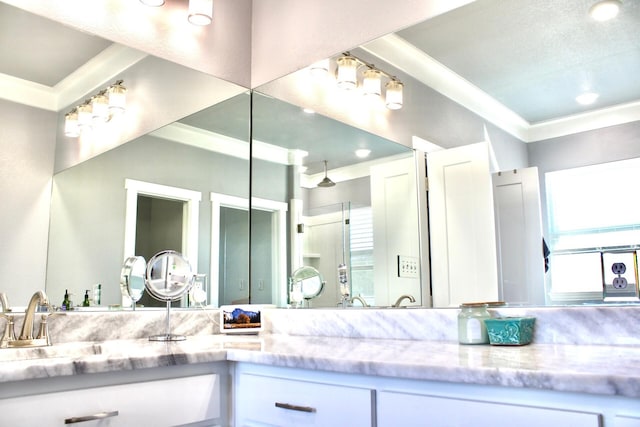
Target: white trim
{"x":190,"y":217}
{"x":398,"y":52}
{"x":406,"y":57}
{"x":96,"y":72}
{"x":204,"y":139}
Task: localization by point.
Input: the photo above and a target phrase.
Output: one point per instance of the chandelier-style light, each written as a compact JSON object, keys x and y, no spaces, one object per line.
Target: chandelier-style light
{"x":98,"y":109}
{"x":347,"y":78}
{"x":200,"y":11}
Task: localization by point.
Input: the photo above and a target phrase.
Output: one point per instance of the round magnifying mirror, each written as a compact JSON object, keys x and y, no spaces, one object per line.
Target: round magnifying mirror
{"x":169,"y":276}
{"x":132,"y":278}
{"x":307,"y":283}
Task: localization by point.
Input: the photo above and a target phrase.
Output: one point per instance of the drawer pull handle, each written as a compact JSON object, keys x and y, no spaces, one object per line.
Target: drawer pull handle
{"x":98,"y":416}
{"x":295,"y":407}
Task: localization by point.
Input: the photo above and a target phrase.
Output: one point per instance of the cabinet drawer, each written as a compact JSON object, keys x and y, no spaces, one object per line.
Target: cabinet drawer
{"x":159,"y":403}
{"x":266,"y":400}
{"x":396,"y":408}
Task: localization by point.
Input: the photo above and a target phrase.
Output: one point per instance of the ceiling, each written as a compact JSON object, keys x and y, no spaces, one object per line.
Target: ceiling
{"x":529,"y":59}
{"x":536,"y":56}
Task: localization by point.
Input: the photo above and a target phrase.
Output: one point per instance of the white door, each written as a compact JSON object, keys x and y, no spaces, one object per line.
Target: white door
{"x":396,"y":242}
{"x":462,"y":226}
{"x":519,"y":235}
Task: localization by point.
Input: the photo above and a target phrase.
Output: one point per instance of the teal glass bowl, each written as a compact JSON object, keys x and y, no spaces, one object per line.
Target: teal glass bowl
{"x":510,"y":330}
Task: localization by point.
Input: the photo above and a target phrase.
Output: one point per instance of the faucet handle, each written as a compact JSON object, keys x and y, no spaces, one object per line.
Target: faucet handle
{"x":44,"y":326}
{"x":9,"y":331}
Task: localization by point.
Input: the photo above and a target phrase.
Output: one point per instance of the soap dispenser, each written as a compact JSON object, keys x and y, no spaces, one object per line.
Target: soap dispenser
{"x":87,"y":301}
{"x":66,"y":302}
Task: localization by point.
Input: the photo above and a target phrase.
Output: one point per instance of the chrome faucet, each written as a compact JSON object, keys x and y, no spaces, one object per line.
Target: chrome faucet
{"x":38,"y":299}
{"x":359,"y":298}
{"x":403,"y":297}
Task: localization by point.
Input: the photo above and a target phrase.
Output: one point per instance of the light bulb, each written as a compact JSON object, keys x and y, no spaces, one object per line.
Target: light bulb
{"x":394,"y":95}
{"x":605,"y":10}
{"x":117,"y":95}
{"x":200,"y":12}
{"x":347,"y":72}
{"x":371,"y":83}
{"x":71,"y":127}
{"x":100,"y":108}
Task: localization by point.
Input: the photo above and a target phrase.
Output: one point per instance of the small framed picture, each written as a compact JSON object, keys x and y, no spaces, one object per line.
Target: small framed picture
{"x":241,"y":319}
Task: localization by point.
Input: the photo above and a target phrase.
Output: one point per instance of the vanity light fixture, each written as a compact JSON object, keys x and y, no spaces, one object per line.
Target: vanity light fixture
{"x":394,"y":95}
{"x":372,"y":82}
{"x":117,"y":95}
{"x":605,"y":10}
{"x":200,"y":11}
{"x":320,"y":69}
{"x":152,"y":3}
{"x":98,"y":109}
{"x":347,"y":78}
{"x":347,"y":72}
{"x":326,"y":182}
{"x":71,"y":125}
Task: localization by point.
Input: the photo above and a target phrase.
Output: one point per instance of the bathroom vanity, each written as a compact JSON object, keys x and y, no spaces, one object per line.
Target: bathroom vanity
{"x":330,"y":378}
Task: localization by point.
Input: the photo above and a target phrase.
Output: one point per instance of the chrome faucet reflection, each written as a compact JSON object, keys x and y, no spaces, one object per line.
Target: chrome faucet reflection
{"x":359,"y":298}
{"x":402,"y":298}
{"x":4,"y":302}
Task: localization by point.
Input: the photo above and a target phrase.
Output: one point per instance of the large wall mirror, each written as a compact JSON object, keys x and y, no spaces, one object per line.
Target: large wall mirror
{"x":492,"y":81}
{"x":171,"y":173}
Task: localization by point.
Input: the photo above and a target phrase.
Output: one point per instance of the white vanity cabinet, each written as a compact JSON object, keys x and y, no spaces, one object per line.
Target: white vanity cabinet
{"x":408,"y":409}
{"x":272,"y":396}
{"x":193,"y":399}
{"x":268,"y":396}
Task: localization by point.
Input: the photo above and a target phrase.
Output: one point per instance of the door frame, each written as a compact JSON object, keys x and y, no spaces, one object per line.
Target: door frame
{"x":278,"y":245}
{"x":190,"y":216}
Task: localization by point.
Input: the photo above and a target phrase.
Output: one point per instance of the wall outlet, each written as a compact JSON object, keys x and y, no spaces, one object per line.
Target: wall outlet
{"x":408,"y":266}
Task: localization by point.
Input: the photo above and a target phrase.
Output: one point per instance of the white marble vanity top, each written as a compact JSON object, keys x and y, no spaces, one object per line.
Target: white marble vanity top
{"x":560,"y":367}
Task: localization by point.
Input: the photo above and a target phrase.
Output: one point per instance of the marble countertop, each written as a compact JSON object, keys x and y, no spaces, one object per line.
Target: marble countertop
{"x":559,"y":367}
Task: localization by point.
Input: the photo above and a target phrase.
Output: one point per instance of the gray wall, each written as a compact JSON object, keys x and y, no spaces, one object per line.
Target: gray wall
{"x":27,"y":142}
{"x":583,"y":149}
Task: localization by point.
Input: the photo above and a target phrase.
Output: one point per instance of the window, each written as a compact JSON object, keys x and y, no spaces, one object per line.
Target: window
{"x":590,"y":209}
{"x":361,"y":248}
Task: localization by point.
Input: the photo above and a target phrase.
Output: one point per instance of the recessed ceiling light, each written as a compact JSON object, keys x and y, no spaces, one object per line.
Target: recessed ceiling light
{"x":605,"y":10}
{"x":363,"y":152}
{"x":308,"y":110}
{"x":587,"y":98}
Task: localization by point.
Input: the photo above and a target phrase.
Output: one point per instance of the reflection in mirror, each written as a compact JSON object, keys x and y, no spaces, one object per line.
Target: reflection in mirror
{"x":114,"y":195}
{"x":306,"y":284}
{"x":66,"y":223}
{"x":509,"y":103}
{"x":132,"y":279}
{"x":168,"y":278}
{"x":361,"y":221}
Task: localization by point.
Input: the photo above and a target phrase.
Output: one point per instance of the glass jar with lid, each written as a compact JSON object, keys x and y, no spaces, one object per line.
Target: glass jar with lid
{"x":471,"y":327}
